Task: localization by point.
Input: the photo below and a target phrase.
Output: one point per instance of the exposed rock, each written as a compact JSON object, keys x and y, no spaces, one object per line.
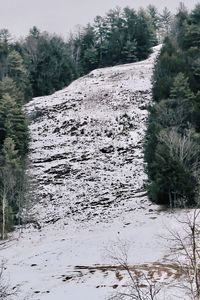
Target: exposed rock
{"x":108,"y":149}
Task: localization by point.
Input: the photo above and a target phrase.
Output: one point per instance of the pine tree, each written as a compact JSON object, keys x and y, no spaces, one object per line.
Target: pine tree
{"x":181,"y":88}
{"x":13,"y":123}
{"x":145,"y":36}
{"x":4,"y":50}
{"x":129,"y":51}
{"x":154,"y":16}
{"x":8,"y":86}
{"x":17,"y":71}
{"x":165,"y":20}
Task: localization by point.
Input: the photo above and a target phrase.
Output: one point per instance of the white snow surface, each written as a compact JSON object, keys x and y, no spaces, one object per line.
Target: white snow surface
{"x":86,"y":154}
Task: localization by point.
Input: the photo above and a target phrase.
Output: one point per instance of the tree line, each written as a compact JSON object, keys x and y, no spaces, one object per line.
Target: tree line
{"x":172,"y":150}
{"x":121,"y":36}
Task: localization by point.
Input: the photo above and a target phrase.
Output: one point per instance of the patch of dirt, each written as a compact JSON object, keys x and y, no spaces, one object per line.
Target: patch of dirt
{"x":154,"y":271}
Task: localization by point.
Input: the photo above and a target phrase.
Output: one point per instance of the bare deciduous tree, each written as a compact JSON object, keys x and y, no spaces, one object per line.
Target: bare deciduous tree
{"x":182,"y":147}
{"x":139,"y":285}
{"x":186,"y":248}
{"x":6,"y":191}
{"x":184,"y":151}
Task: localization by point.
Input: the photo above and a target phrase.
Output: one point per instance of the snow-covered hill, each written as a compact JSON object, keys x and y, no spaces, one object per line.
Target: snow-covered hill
{"x":86,"y":154}
{"x":87,"y":144}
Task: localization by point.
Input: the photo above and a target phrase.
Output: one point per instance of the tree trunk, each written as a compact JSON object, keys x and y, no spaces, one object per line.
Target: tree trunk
{"x":3,"y":216}
{"x":170,"y":199}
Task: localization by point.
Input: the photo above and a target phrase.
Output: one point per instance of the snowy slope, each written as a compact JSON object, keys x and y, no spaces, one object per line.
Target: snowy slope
{"x":87,"y":143}
{"x":86,"y":154}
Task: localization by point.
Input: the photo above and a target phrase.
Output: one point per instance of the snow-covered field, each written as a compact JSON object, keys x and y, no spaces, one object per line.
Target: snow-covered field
{"x":86,"y":154}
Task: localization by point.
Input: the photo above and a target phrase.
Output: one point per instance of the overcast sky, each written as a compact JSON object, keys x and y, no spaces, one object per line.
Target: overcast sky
{"x":61,"y":16}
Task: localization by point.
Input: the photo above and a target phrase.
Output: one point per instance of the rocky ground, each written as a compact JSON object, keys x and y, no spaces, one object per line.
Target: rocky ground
{"x":86,"y":151}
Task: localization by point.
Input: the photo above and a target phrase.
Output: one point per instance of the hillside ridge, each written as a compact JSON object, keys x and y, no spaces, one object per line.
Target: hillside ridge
{"x":86,"y":149}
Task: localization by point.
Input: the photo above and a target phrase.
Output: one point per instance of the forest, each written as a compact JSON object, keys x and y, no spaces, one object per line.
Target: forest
{"x":172,"y":148}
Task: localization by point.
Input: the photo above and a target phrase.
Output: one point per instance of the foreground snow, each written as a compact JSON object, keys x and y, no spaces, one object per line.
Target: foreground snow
{"x":63,"y":263}
{"x":87,"y":156}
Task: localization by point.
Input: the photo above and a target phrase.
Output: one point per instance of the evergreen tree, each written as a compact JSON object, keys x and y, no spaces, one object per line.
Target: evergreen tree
{"x":13,"y":123}
{"x":4,"y":50}
{"x":17,"y":71}
{"x":129,"y":52}
{"x":144,"y":35}
{"x":165,"y":20}
{"x":8,"y":86}
{"x":154,"y":16}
